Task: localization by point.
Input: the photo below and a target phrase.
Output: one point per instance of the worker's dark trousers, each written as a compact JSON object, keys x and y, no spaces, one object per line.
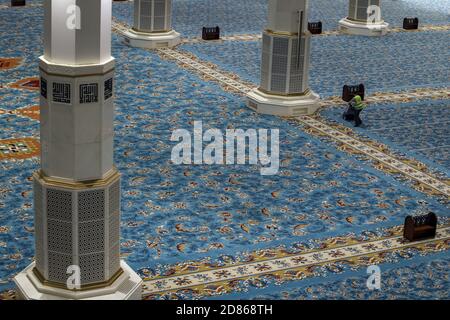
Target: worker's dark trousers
{"x":357,"y":118}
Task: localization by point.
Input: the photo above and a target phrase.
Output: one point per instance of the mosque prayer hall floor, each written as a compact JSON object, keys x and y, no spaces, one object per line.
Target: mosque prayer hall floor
{"x":339,"y":199}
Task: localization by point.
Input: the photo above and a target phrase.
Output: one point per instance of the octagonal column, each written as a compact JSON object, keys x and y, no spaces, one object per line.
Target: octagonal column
{"x":152,"y":26}
{"x":364,"y":18}
{"x":284,"y":88}
{"x":77,"y":190}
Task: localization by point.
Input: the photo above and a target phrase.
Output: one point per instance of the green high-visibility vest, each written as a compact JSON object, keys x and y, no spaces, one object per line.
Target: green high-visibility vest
{"x":359,"y":105}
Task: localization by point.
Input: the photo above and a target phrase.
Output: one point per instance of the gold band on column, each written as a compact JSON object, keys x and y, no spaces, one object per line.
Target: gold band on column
{"x":109,"y":178}
{"x":84,"y":287}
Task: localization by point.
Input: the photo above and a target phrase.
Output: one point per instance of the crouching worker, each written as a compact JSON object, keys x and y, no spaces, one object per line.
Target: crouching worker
{"x":355,"y":106}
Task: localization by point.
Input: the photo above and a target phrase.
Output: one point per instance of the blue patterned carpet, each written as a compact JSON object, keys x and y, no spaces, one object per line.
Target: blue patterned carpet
{"x":173,"y":213}
{"x":250,"y":16}
{"x":419,"y":128}
{"x":418,"y":279}
{"x":388,"y":67}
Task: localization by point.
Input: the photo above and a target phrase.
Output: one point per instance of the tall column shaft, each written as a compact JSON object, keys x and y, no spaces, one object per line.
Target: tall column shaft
{"x":286,"y":48}
{"x":77,"y":190}
{"x":284,"y":88}
{"x":357,"y":9}
{"x":364,"y":18}
{"x":152,"y":26}
{"x":153,"y":15}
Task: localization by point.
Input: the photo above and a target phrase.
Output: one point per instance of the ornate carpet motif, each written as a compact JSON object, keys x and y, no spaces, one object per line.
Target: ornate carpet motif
{"x":22,"y":148}
{"x":31,"y":112}
{"x":200,"y":280}
{"x":232,"y":83}
{"x":250,"y":16}
{"x":411,"y":69}
{"x":418,"y":280}
{"x":208,"y":71}
{"x":258,"y":36}
{"x":204,"y":221}
{"x":27,"y":83}
{"x":9,"y":63}
{"x":393,"y":97}
{"x":419,"y":129}
{"x":414,"y":170}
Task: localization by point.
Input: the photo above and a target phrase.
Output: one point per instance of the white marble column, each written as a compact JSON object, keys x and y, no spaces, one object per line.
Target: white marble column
{"x":284,"y":88}
{"x":364,"y":18}
{"x":152,"y":26}
{"x":77,"y":190}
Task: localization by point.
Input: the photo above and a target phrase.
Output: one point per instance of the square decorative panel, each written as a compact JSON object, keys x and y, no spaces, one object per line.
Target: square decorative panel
{"x":61,"y":92}
{"x":108,"y":88}
{"x":89,"y":93}
{"x":44,"y":88}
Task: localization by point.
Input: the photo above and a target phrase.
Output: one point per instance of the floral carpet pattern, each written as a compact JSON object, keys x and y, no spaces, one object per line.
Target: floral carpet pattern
{"x":191,"y":280}
{"x":420,"y":279}
{"x":250,"y":16}
{"x":396,"y":62}
{"x":213,"y":214}
{"x":421,"y":128}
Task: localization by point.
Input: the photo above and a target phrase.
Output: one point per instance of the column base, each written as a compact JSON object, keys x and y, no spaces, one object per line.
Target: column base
{"x":285,"y":106}
{"x":128,"y":286}
{"x":152,"y":40}
{"x":363,"y":29}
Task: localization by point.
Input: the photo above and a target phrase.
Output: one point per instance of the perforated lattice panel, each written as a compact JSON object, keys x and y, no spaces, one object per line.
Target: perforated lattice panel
{"x":114,"y":213}
{"x":114,"y":259}
{"x":279,"y":65}
{"x":296,"y":70}
{"x":361,"y":11}
{"x":169,"y":13}
{"x":57,"y":266}
{"x":114,"y":229}
{"x":160,"y":8}
{"x":114,"y":197}
{"x":146,"y":8}
{"x":126,"y":287}
{"x":38,"y":226}
{"x":280,"y":46}
{"x":145,"y":15}
{"x":297,"y":65}
{"x":295,"y":50}
{"x":146,"y":24}
{"x":159,"y":24}
{"x":91,"y":237}
{"x":352,"y":9}
{"x":59,"y":205}
{"x":265,"y":62}
{"x":278,"y":83}
{"x":92,"y":268}
{"x":59,"y":235}
{"x":91,"y":205}
{"x":296,"y":84}
{"x":136,"y":14}
{"x":264,"y":80}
